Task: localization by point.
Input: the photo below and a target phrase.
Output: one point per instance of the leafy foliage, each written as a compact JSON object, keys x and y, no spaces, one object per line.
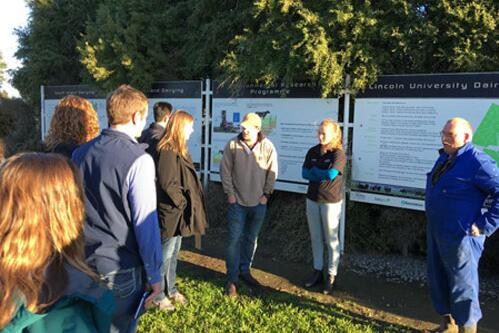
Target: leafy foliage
{"x":459,"y":36}
{"x":325,"y":40}
{"x":109,"y":42}
{"x":138,"y":42}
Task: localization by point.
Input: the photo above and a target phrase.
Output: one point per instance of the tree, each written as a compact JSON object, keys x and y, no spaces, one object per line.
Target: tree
{"x":138,"y":42}
{"x":18,"y":127}
{"x":128,"y":43}
{"x":325,"y":40}
{"x":47,"y":45}
{"x":459,"y":36}
{"x":110,"y":42}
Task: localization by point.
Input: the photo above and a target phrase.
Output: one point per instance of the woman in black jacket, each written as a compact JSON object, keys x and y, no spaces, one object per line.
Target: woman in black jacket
{"x":323,"y":168}
{"x":181,"y":207}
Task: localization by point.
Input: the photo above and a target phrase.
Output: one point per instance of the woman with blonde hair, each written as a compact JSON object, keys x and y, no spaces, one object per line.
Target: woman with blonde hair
{"x":181,"y":205}
{"x":45,"y":285}
{"x":74,"y":122}
{"x":323,"y":168}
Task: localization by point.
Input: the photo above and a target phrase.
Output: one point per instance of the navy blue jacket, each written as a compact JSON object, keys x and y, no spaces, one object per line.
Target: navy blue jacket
{"x":104,"y":162}
{"x":151,"y":136}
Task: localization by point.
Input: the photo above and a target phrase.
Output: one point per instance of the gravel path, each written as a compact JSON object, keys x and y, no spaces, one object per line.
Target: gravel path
{"x":405,"y":270}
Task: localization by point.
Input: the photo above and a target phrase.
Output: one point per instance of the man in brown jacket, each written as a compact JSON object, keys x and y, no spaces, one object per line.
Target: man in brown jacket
{"x":248,"y":171}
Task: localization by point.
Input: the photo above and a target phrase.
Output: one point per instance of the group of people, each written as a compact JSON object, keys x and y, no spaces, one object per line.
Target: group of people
{"x":89,"y":226}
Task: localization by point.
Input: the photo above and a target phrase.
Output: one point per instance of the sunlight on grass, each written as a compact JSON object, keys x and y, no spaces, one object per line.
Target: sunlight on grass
{"x":269,"y":311}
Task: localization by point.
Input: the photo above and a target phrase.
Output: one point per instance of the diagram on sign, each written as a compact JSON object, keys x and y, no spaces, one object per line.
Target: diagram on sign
{"x":487,"y":133}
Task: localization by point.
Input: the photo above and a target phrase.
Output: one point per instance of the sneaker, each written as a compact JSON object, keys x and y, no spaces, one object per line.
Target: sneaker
{"x":249,"y":280}
{"x":165,"y":305}
{"x":328,"y":284}
{"x":178,"y":298}
{"x":316,"y":278}
{"x":230,"y":290}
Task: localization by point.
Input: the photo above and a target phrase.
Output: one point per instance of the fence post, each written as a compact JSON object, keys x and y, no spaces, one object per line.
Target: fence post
{"x":346,"y":127}
{"x":207,"y":126}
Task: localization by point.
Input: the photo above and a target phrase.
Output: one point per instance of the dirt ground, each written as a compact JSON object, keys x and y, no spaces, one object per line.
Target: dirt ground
{"x":406,"y":304}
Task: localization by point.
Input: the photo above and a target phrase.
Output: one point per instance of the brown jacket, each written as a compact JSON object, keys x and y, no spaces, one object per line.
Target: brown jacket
{"x":248,"y":173}
{"x":181,"y":203}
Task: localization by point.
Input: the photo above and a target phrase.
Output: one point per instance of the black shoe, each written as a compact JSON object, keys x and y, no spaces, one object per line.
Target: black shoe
{"x":249,"y":279}
{"x":329,"y":284}
{"x":316,"y":278}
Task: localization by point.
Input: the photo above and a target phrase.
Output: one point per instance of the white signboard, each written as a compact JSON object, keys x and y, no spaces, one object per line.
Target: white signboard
{"x":290,"y":123}
{"x":396,"y":139}
{"x":185,"y":95}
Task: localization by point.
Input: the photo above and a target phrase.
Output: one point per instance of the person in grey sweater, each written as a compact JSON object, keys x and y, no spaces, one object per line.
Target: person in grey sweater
{"x":248,"y":171}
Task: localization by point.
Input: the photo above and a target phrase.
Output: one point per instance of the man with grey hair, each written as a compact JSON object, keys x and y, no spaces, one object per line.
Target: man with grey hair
{"x":457,"y":187}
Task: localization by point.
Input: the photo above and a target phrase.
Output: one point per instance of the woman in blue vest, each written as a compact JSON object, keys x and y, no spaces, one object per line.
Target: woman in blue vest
{"x":323,"y":168}
{"x":45,"y":285}
{"x":181,"y":204}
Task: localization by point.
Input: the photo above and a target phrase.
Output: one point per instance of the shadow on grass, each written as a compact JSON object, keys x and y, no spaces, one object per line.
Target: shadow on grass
{"x":268,"y":295}
{"x":410,"y":301}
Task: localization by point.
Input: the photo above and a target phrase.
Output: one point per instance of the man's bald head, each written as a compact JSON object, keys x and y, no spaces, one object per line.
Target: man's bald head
{"x":455,"y":134}
{"x":461,"y":124}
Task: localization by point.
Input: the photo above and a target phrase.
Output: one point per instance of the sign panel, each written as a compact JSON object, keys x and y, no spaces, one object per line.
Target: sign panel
{"x":182,"y":95}
{"x":185,"y":95}
{"x":290,"y":117}
{"x":397,"y":131}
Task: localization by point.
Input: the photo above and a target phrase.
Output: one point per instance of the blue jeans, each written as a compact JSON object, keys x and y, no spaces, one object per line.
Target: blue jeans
{"x":244,"y":226}
{"x":171,"y":248}
{"x":127,"y":286}
{"x":323,"y":221}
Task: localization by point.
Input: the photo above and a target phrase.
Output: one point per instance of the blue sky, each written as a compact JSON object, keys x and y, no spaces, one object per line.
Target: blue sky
{"x":13,"y":14}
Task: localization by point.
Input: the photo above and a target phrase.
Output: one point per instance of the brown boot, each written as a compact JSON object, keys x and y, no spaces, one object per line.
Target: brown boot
{"x":230,"y":290}
{"x":467,"y":329}
{"x":448,"y":325}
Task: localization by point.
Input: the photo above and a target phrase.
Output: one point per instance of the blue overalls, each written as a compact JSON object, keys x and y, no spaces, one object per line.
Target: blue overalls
{"x":453,"y":204}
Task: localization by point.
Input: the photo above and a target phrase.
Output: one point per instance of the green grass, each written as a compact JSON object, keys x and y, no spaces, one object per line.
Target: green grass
{"x":268,"y":311}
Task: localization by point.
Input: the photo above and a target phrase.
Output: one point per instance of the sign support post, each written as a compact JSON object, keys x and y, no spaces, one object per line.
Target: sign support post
{"x":346,"y":120}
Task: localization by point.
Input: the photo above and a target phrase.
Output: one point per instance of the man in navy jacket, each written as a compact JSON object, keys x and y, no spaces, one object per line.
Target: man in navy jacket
{"x":122,"y":239}
{"x":462,"y":178}
{"x":155,"y":131}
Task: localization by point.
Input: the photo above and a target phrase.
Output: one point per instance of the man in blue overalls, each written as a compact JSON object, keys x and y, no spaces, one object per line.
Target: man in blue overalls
{"x":462,"y":178}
